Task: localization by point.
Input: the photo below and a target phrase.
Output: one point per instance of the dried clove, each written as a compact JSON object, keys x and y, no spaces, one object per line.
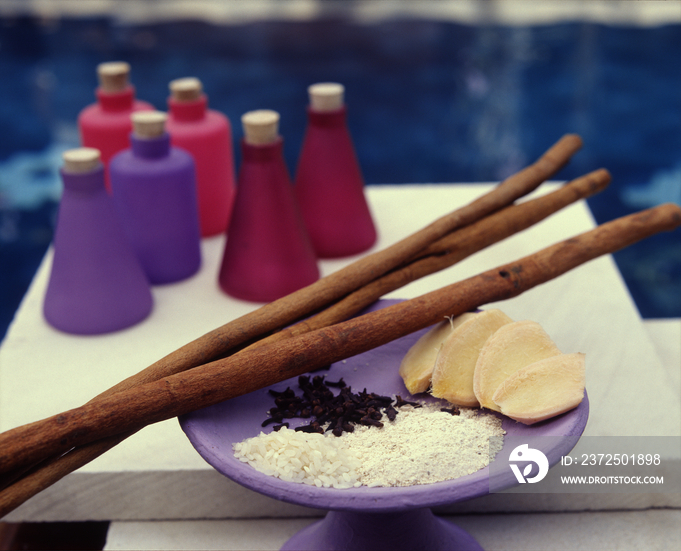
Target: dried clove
{"x":390,"y":412}
{"x":401,"y":402}
{"x":370,"y":422}
{"x":337,"y":412}
{"x":312,"y":427}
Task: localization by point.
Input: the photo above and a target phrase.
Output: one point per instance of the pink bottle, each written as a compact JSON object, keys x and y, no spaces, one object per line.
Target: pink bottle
{"x":105,"y":125}
{"x":207,"y":135}
{"x":268,"y":252}
{"x":329,"y":184}
{"x":96,"y":283}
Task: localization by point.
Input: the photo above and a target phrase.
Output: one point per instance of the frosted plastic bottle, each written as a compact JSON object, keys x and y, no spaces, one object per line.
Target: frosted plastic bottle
{"x":268,"y":252}
{"x":329,"y":184}
{"x":207,"y":135}
{"x":154,"y":189}
{"x":96,"y":283}
{"x":105,"y":125}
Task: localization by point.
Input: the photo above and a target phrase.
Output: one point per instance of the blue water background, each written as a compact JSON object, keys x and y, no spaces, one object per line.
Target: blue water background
{"x":429,"y":101}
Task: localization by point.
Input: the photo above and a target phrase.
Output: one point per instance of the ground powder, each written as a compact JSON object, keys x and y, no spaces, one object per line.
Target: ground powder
{"x":421,"y":446}
{"x":425,"y":445}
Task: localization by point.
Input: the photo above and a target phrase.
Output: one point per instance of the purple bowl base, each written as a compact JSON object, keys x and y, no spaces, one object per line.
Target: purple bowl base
{"x":409,"y":530}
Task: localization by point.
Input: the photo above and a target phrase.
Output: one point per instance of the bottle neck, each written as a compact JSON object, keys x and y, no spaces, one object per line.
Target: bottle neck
{"x":327,"y":118}
{"x":117,"y":101}
{"x":150,"y":148}
{"x":262,"y":153}
{"x":84,"y":183}
{"x":188,"y":110}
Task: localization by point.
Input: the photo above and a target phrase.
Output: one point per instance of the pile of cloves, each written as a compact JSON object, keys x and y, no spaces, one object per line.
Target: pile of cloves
{"x":337,"y":413}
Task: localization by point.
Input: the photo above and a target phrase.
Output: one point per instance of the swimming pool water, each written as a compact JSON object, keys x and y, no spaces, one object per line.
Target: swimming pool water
{"x":429,"y":101}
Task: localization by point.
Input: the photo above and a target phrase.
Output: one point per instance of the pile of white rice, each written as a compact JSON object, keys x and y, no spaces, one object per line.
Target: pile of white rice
{"x":295,"y":456}
{"x":422,"y":446}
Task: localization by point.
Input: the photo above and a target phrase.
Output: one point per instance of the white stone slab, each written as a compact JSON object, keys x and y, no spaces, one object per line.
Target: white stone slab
{"x":655,"y":530}
{"x":157,"y":475}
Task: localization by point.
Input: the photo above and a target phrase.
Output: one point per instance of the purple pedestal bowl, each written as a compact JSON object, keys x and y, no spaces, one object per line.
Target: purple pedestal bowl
{"x":374,"y":518}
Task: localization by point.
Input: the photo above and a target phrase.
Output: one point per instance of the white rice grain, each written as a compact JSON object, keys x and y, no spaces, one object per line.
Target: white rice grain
{"x":460,"y":442}
{"x":313,"y":459}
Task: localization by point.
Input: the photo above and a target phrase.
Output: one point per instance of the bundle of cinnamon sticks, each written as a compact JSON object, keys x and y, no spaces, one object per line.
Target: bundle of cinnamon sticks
{"x":315,"y":326}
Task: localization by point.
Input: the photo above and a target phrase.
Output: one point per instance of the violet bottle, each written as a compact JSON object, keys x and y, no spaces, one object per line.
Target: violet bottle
{"x":96,"y":283}
{"x":154,"y":189}
{"x":268,"y":252}
{"x":329,"y":184}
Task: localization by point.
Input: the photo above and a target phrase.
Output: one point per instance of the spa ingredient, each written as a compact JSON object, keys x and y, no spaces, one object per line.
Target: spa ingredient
{"x":336,"y":413}
{"x":416,"y":368}
{"x":294,"y":456}
{"x":512,"y":347}
{"x":422,"y":445}
{"x":455,"y":363}
{"x":426,"y":445}
{"x":543,"y":389}
{"x":486,"y":359}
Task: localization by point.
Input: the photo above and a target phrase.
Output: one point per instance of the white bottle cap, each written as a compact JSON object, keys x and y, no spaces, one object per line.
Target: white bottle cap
{"x":148,"y":124}
{"x":186,"y":89}
{"x":113,"y":75}
{"x":81,"y":160}
{"x":326,"y":96}
{"x":261,"y":127}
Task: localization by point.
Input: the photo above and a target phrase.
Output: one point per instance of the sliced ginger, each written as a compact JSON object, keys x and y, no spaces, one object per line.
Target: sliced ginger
{"x":452,"y":377}
{"x":543,"y":389}
{"x":487,"y":359}
{"x":512,"y":347}
{"x":417,"y":365}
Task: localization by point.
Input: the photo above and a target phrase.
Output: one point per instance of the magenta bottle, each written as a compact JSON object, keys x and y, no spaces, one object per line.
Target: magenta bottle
{"x":105,"y":125}
{"x":329,"y":184}
{"x":96,"y":283}
{"x":207,"y":135}
{"x":154,"y":189}
{"x":268,"y":252}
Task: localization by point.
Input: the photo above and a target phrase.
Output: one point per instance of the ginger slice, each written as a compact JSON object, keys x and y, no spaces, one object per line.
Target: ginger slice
{"x":417,"y":365}
{"x":510,"y":348}
{"x":455,"y":363}
{"x":543,"y":389}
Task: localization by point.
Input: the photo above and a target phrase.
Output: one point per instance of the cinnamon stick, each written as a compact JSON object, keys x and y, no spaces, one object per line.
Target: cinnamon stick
{"x":23,"y":484}
{"x":257,"y":368}
{"x":451,"y":249}
{"x":441,"y":254}
{"x":287,"y":310}
{"x":295,"y":306}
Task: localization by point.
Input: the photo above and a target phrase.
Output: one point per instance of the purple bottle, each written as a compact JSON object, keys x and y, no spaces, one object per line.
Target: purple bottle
{"x":96,"y":282}
{"x":105,"y":125}
{"x":154,"y":190}
{"x":268,"y":252}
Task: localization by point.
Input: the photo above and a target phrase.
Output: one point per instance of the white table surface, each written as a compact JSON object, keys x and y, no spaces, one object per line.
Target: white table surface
{"x":157,"y":476}
{"x":652,"y":530}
